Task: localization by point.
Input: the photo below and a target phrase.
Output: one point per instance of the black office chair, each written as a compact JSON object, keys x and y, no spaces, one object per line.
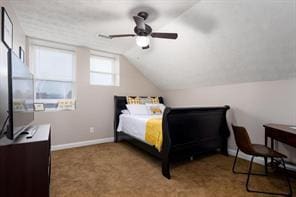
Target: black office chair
{"x":244,"y":144}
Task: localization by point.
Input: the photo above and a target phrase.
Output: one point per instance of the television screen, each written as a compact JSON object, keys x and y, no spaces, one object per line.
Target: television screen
{"x":21,"y":96}
{"x":3,"y":90}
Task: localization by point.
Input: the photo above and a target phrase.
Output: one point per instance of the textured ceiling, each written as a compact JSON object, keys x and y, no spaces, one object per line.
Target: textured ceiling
{"x":78,"y":22}
{"x":220,"y":41}
{"x":223,"y":42}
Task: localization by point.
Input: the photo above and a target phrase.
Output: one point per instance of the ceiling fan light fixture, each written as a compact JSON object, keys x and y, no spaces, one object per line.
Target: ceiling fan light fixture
{"x":143,"y":32}
{"x":142,"y":41}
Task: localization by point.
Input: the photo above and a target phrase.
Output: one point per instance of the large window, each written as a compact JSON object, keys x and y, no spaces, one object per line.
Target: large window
{"x":54,"y":72}
{"x":104,"y":71}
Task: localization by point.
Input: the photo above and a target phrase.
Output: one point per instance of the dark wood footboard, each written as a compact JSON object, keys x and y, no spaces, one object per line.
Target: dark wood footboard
{"x":189,"y":131}
{"x":186,"y":132}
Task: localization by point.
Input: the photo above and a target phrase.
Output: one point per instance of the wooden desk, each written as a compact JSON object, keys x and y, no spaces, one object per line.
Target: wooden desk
{"x":281,"y":133}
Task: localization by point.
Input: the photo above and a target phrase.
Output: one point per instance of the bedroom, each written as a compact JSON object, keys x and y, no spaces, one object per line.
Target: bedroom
{"x":235,"y":53}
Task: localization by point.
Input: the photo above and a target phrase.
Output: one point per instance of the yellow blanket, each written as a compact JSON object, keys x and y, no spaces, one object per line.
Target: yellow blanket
{"x":153,"y":133}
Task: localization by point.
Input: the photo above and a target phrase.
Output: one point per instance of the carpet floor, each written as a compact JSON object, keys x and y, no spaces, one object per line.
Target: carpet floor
{"x":120,"y":169}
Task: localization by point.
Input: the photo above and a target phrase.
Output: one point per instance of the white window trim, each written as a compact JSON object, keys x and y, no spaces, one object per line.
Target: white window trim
{"x":116,"y":68}
{"x":55,"y":47}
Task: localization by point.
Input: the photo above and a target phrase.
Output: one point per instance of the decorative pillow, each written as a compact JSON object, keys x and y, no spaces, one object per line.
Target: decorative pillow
{"x":137,"y":109}
{"x":66,"y":104}
{"x":125,"y":111}
{"x":155,"y":109}
{"x":154,"y":100}
{"x":145,"y":100}
{"x":19,"y":106}
{"x":133,"y":100}
{"x":142,"y":100}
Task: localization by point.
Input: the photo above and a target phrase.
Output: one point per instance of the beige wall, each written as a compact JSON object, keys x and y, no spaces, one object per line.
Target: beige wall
{"x":94,"y":103}
{"x":252,"y":105}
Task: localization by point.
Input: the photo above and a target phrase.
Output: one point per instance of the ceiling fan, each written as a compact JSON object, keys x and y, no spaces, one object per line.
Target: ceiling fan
{"x":142,"y":32}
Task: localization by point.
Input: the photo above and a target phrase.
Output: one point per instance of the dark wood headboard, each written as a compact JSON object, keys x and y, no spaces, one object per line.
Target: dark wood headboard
{"x":119,"y":104}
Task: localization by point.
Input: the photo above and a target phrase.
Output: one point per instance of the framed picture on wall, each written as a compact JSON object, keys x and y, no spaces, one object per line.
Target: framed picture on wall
{"x":7,"y":29}
{"x":39,"y":107}
{"x":22,"y":54}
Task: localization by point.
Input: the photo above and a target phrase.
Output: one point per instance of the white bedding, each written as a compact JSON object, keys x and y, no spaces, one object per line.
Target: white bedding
{"x":134,"y":125}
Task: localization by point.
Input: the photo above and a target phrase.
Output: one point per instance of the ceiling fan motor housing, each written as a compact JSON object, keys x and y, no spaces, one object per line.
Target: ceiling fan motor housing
{"x":143,"y":32}
{"x":144,"y":15}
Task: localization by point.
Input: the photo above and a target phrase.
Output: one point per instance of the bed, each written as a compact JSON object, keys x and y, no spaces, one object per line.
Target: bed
{"x":186,"y":132}
{"x":135,"y":125}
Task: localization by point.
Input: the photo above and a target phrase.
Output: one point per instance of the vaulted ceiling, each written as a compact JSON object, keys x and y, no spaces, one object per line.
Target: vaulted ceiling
{"x":220,"y":41}
{"x":224,"y":42}
{"x":78,"y":22}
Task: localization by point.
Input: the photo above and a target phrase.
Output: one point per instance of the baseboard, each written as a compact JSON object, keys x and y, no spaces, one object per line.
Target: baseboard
{"x":82,"y":143}
{"x":258,"y":160}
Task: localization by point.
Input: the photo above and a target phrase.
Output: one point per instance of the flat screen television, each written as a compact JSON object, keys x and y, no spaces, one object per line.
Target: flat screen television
{"x":3,"y":95}
{"x":20,"y":96}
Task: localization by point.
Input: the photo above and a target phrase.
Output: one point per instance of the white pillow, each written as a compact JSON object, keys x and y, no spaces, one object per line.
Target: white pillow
{"x":137,"y":109}
{"x":153,"y":108}
{"x":125,"y":111}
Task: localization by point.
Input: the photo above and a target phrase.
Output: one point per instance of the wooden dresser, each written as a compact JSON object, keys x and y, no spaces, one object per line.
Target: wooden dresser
{"x":25,"y":165}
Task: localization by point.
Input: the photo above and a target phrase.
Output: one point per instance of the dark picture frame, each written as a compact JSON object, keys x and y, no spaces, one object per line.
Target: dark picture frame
{"x":7,"y":29}
{"x":22,"y":54}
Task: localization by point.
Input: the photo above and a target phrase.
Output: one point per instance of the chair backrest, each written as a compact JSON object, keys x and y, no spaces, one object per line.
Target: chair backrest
{"x":242,"y":139}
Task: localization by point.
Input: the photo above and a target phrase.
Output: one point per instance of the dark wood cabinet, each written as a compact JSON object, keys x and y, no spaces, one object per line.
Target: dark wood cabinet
{"x":25,"y":165}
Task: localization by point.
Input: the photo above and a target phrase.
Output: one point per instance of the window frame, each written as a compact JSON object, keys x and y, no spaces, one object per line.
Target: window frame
{"x":115,"y":70}
{"x":32,"y":60}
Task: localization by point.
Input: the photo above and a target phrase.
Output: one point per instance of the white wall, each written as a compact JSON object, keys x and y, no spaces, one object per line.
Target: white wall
{"x":95,"y":104}
{"x":252,"y":105}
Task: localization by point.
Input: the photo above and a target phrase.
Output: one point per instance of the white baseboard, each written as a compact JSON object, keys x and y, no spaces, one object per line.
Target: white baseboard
{"x":82,"y":143}
{"x":258,"y":160}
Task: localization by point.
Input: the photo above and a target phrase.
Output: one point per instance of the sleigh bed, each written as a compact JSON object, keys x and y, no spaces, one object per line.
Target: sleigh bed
{"x":186,"y":132}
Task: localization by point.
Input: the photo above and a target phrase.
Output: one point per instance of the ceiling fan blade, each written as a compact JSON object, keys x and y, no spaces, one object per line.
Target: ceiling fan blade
{"x":122,"y":35}
{"x":146,"y":47}
{"x":139,"y":22}
{"x":104,"y":36}
{"x":116,"y":36}
{"x":165,"y":35}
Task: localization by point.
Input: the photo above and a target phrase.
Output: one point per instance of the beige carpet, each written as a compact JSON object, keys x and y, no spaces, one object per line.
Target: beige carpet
{"x":123,"y":170}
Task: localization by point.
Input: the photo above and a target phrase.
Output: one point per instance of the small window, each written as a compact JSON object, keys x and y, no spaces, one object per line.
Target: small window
{"x":104,"y":71}
{"x":54,"y":76}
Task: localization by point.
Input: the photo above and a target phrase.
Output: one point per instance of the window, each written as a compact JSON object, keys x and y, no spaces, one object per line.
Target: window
{"x":104,"y":71}
{"x":54,"y":75}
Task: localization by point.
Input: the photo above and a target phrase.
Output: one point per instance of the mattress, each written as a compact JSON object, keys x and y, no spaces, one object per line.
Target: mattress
{"x":134,"y":125}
